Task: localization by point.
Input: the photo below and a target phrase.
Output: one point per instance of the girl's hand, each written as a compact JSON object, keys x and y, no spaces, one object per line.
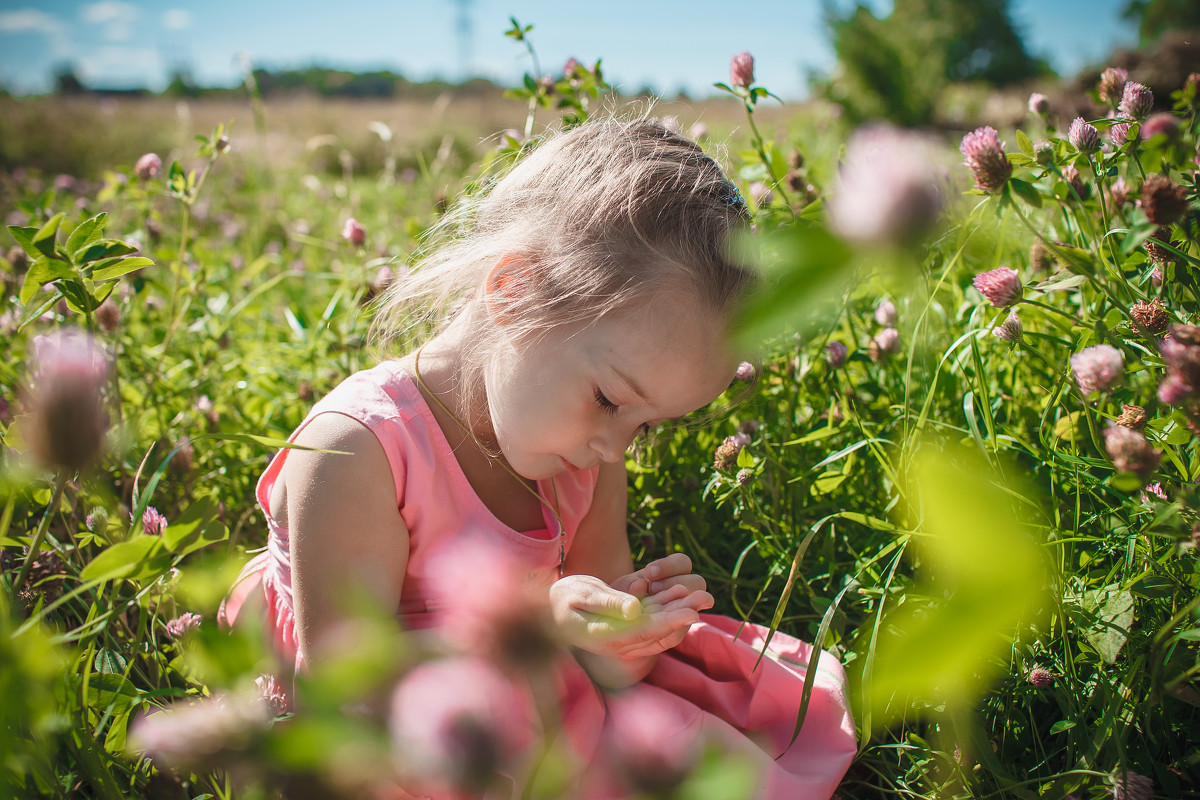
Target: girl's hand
{"x":662,"y":574}
{"x":595,"y":617}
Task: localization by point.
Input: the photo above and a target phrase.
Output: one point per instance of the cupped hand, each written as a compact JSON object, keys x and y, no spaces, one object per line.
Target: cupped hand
{"x":661,"y":574}
{"x":595,"y":617}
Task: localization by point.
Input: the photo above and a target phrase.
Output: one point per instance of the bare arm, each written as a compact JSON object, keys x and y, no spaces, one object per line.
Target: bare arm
{"x":346,"y":531}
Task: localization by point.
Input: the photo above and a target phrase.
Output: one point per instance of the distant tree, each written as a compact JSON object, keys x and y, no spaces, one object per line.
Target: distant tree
{"x":67,"y":82}
{"x":1156,"y":17}
{"x":896,"y":67}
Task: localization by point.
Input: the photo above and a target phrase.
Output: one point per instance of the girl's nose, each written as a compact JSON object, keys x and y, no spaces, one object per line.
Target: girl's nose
{"x":607,"y":448}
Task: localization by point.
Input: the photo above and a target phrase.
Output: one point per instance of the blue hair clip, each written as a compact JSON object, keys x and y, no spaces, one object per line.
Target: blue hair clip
{"x":733,"y":198}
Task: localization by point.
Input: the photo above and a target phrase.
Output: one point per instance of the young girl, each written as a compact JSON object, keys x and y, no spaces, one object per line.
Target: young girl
{"x":588,"y":300}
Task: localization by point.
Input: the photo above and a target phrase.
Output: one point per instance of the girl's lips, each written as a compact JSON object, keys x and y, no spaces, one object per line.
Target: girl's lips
{"x":570,"y":467}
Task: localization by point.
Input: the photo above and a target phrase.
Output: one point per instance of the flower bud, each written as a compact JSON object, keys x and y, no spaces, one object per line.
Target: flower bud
{"x":1112,"y":85}
{"x":1038,"y":103}
{"x":741,"y":70}
{"x":1118,"y":134}
{"x":148,"y":166}
{"x":745,"y":372}
{"x":1132,"y":417}
{"x":1010,"y":330}
{"x":1137,"y":101}
{"x":984,"y":155}
{"x":745,"y":476}
{"x":1120,"y":192}
{"x":1078,"y":189}
{"x":1043,"y":152}
{"x":354,"y":232}
{"x":1083,"y":136}
{"x":1163,"y":201}
{"x":1041,"y":678}
{"x":183,"y":625}
{"x":1001,"y":286}
{"x":1098,"y":368}
{"x":222,"y":144}
{"x":69,"y":421}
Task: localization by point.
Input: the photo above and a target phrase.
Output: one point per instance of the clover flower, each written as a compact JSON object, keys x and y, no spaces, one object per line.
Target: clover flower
{"x":272,"y":694}
{"x":1010,"y":330}
{"x":741,"y":70}
{"x":887,"y":189}
{"x":1041,"y":677}
{"x":183,"y":625}
{"x":1001,"y":286}
{"x":1156,"y":252}
{"x":1175,"y":390}
{"x":1137,"y":101}
{"x":1130,"y":452}
{"x":835,"y":354}
{"x":885,"y":313}
{"x":569,"y":67}
{"x":1130,"y":785}
{"x":1043,"y":152}
{"x":728,"y":451}
{"x":886,"y":342}
{"x":457,"y":721}
{"x":984,"y":155}
{"x":1038,"y":103}
{"x":1083,"y":136}
{"x":1112,"y":85}
{"x":648,"y":742}
{"x":148,"y":166}
{"x":761,"y":193}
{"x":153,"y":522}
{"x":1039,"y":257}
{"x":1166,"y":125}
{"x":1162,"y":200}
{"x":96,"y":520}
{"x":745,"y":476}
{"x":354,"y":232}
{"x":1151,"y":316}
{"x":745,"y":372}
{"x":1118,"y":133}
{"x":1181,"y":354}
{"x":1079,"y":189}
{"x":1132,"y":417}
{"x":200,"y":733}
{"x":1120,"y":192}
{"x":1152,"y":490}
{"x":1098,"y":368}
{"x":68,"y":419}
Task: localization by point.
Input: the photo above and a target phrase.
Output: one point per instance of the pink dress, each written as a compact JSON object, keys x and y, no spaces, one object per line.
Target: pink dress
{"x":711,"y":678}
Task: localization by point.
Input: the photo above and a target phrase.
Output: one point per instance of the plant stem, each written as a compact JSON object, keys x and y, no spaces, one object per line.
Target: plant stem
{"x":40,"y":534}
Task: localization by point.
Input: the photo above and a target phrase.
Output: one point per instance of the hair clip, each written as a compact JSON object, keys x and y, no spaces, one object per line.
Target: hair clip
{"x":733,"y":198}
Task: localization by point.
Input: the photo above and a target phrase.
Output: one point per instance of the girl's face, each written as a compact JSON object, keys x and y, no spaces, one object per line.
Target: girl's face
{"x":582,"y":393}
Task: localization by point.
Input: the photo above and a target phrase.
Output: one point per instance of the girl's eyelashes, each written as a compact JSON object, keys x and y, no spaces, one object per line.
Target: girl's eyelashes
{"x":604,"y":404}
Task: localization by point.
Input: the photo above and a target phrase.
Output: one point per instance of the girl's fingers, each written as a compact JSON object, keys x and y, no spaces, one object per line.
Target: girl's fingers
{"x":604,"y":601}
{"x":668,"y":566}
{"x":690,"y":581}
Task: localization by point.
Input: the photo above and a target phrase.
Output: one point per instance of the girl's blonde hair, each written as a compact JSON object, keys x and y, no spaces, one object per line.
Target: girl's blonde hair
{"x":600,"y":218}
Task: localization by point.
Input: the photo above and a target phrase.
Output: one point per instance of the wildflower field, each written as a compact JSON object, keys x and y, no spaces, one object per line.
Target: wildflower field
{"x":963,"y":457}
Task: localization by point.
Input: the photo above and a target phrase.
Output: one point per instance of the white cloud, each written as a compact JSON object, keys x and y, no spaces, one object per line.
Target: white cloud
{"x":177,"y":19}
{"x":117,"y":65}
{"x":31,"y":20}
{"x":115,"y":17}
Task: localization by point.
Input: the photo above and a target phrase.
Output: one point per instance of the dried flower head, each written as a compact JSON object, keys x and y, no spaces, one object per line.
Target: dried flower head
{"x":984,"y":155}
{"x":148,"y":166}
{"x":69,"y":421}
{"x":1165,"y":125}
{"x":1112,"y":85}
{"x":1040,"y":677}
{"x":1010,"y":330}
{"x":1120,"y":192}
{"x":1118,"y":133}
{"x":1132,"y":417}
{"x":745,"y":476}
{"x":1151,"y":316}
{"x":1098,"y":368}
{"x":885,"y":313}
{"x":108,"y":316}
{"x":183,"y":625}
{"x":727,"y":452}
{"x":1130,"y":452}
{"x":1163,"y":201}
{"x":1130,"y":785}
{"x":1001,"y":286}
{"x":354,"y":232}
{"x":1038,"y":103}
{"x":1083,"y":136}
{"x":1078,"y":189}
{"x":1137,"y":101}
{"x":1039,"y":257}
{"x":835,"y":354}
{"x":741,"y":70}
{"x":1156,"y":252}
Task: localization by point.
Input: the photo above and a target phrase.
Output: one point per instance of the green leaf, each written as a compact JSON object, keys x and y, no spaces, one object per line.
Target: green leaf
{"x":111,"y":692}
{"x":870,"y":522}
{"x":122,"y":560}
{"x":109,"y":661}
{"x":826,"y":482}
{"x":1110,"y":611}
{"x":196,"y":527}
{"x":1026,"y":191}
{"x":102,"y":248}
{"x":24,"y":237}
{"x":88,"y":231}
{"x":1136,"y":236}
{"x":121,"y":266}
{"x":1062,"y":725}
{"x":35,"y":311}
{"x":79,"y":298}
{"x":41,"y":272}
{"x":1126,"y":482}
{"x":1024,"y":144}
{"x":45,"y":239}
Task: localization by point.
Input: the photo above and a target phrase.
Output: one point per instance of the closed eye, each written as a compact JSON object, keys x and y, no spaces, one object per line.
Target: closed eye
{"x":604,"y":404}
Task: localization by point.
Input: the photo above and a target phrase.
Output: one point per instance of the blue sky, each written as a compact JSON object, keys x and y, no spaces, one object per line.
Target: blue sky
{"x":665,"y":44}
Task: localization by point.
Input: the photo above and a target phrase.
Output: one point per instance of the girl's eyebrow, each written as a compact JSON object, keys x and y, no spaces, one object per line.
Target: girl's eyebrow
{"x":633,"y":385}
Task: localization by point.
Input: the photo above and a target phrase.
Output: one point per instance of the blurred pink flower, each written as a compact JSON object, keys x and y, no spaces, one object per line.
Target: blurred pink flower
{"x":1129,"y":451}
{"x":1137,"y":101}
{"x":984,"y":155}
{"x":1160,"y":125}
{"x":1120,"y":192}
{"x":648,"y":742}
{"x":354,"y":232}
{"x":1038,"y":103}
{"x":1010,"y":330}
{"x":206,"y":732}
{"x":1130,"y":785}
{"x":1152,"y":490}
{"x":887,"y":188}
{"x":458,"y":722}
{"x":1083,"y":136}
{"x":698,"y":131}
{"x":1041,"y":677}
{"x":183,"y":625}
{"x":885,"y":313}
{"x":1112,"y":85}
{"x":1098,"y":368}
{"x":741,"y":70}
{"x":745,"y":372}
{"x":835,"y":354}
{"x":761,"y":193}
{"x":1175,"y":390}
{"x":569,"y":67}
{"x":1162,"y":200}
{"x":886,"y":342}
{"x":148,"y":166}
{"x":69,"y":421}
{"x":1001,"y":286}
{"x":272,"y":694}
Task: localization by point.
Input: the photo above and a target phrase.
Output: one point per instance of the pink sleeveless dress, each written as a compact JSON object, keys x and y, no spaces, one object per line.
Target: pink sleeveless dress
{"x":715,"y":680}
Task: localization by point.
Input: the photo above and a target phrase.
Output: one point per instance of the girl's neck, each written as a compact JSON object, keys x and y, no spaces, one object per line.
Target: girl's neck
{"x":441,"y":371}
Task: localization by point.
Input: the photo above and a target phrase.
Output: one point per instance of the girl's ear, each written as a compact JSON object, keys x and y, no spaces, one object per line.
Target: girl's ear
{"x":505,"y":283}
